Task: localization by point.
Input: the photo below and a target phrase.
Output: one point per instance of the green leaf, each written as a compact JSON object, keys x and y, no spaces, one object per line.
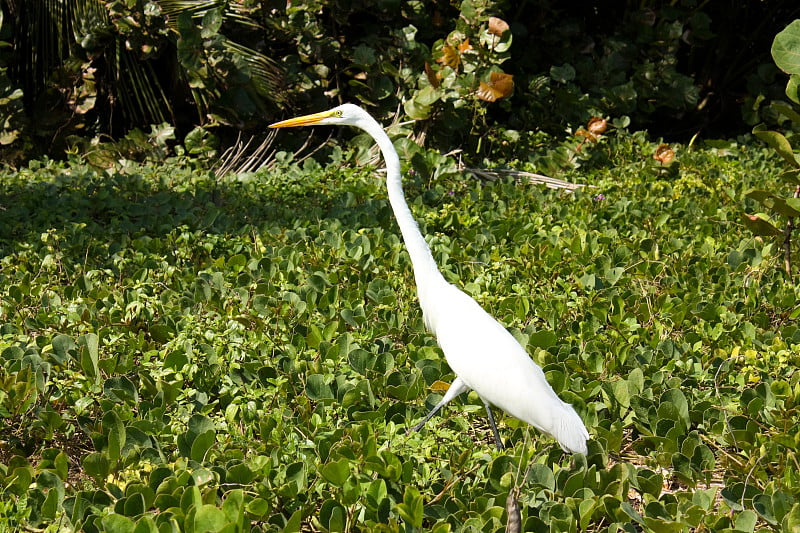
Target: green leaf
{"x":760,"y":225}
{"x":294,"y":522}
{"x":62,"y":346}
{"x":787,"y":111}
{"x":791,"y":522}
{"x":209,"y":519}
{"x":632,"y":513}
{"x":542,"y":476}
{"x":563,"y":73}
{"x":53,"y":486}
{"x":201,"y":444}
{"x":777,"y":142}
{"x":746,"y":521}
{"x":543,"y":339}
{"x":89,"y":355}
{"x":317,"y":389}
{"x":793,"y":88}
{"x":259,"y":507}
{"x":115,"y":431}
{"x":336,"y":472}
{"x":786,"y":48}
{"x":146,"y":525}
{"x":333,"y":516}
{"x":96,"y":465}
{"x":116,"y":523}
{"x":411,"y":510}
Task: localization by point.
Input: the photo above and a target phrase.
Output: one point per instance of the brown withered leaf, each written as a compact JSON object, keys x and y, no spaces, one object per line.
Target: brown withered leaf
{"x":664,"y":154}
{"x":450,"y":57}
{"x":464,"y":46}
{"x":433,"y":77}
{"x":497,"y":26}
{"x":597,"y":125}
{"x":500,"y":85}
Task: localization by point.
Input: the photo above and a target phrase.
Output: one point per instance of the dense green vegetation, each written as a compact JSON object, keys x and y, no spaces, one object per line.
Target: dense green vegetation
{"x":185,"y":349}
{"x":182,"y":352}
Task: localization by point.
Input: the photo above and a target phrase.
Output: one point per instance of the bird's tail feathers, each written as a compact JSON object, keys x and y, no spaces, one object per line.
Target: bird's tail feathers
{"x":569,"y":431}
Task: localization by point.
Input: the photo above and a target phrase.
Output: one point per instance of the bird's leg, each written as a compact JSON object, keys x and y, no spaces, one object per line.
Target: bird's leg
{"x":497,"y":438}
{"x":456,"y":388}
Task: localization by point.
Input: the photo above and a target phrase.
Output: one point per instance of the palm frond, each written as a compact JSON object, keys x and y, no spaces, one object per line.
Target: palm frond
{"x":265,"y":72}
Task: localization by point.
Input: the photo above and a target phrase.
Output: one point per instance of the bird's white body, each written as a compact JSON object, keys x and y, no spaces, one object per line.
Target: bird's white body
{"x":489,"y":360}
{"x":483,"y":354}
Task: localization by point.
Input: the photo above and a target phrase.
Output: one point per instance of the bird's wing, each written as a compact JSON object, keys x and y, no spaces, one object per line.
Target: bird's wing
{"x":491,"y":361}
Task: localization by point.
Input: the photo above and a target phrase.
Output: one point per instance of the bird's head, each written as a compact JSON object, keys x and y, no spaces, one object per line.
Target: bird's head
{"x":345,"y":114}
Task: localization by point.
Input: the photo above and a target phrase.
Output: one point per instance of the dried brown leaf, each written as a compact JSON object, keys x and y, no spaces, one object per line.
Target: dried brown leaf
{"x":433,"y":77}
{"x":450,"y":57}
{"x":497,"y":26}
{"x":664,"y":154}
{"x":500,"y":85}
{"x":597,"y":125}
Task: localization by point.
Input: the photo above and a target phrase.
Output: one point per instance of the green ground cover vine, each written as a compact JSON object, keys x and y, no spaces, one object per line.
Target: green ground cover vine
{"x":180,"y":352}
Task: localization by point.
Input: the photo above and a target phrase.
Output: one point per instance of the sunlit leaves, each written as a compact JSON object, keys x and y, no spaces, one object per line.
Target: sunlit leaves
{"x":450,"y":57}
{"x":247,"y":351}
{"x":499,"y":85}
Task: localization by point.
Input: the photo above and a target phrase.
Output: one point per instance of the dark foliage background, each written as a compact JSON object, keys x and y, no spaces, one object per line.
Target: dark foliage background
{"x":80,"y":69}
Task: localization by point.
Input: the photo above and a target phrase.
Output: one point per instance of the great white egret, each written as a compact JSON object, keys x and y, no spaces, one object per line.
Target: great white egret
{"x":483,"y":354}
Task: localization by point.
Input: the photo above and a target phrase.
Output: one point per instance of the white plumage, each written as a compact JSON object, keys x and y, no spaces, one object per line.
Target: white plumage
{"x":483,"y":354}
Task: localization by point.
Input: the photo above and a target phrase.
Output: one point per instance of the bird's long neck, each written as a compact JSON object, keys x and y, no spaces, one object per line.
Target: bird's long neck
{"x":425,"y":269}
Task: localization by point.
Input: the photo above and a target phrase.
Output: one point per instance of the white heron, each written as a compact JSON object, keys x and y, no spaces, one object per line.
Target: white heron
{"x":484,"y":356}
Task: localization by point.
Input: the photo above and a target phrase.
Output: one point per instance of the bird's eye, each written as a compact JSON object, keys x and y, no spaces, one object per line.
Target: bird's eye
{"x":338,"y":114}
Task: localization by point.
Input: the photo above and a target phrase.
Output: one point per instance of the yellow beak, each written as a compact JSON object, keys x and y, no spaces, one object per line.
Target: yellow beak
{"x":305,"y":120}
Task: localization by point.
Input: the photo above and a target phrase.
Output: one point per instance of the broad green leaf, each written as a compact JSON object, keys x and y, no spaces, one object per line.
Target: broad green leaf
{"x":53,"y":487}
{"x":621,"y":392}
{"x":786,"y":48}
{"x":542,"y":476}
{"x":787,"y":111}
{"x":116,"y":523}
{"x":336,"y":472}
{"x":746,"y":521}
{"x":791,"y":522}
{"x":779,"y":143}
{"x":62,"y":346}
{"x":96,"y":464}
{"x":762,"y":503}
{"x":201,"y":444}
{"x":317,"y":389}
{"x":259,"y":507}
{"x":563,"y":73}
{"x":146,"y":524}
{"x":333,"y":516}
{"x":760,"y":225}
{"x":543,"y":339}
{"x":19,"y":479}
{"x":209,"y":519}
